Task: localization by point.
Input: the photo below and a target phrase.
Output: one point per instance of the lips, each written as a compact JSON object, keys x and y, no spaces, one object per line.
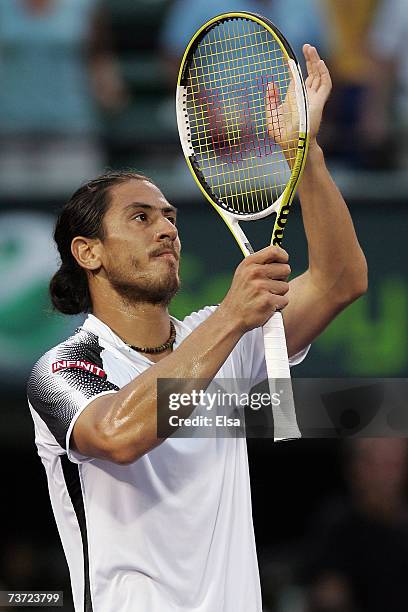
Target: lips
{"x":165,"y":252}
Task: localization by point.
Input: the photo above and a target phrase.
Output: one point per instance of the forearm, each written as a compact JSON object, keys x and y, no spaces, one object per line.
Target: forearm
{"x":121,"y":427}
{"x":337,"y":272}
{"x":130,"y":422}
{"x":336,"y":261}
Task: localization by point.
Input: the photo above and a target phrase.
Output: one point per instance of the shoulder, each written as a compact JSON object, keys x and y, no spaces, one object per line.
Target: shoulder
{"x":66,"y":379}
{"x":81,"y":350}
{"x":72,"y":368}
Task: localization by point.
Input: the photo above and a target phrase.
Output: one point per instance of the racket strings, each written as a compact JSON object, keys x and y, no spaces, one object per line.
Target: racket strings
{"x":238,"y":78}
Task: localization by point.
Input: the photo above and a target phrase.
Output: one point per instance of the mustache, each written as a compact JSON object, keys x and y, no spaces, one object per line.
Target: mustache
{"x":165,"y":249}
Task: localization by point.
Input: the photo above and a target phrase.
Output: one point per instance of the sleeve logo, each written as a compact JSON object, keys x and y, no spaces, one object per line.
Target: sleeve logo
{"x":64,"y":364}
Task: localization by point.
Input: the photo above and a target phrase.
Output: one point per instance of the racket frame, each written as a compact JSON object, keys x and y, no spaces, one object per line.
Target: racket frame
{"x":282,"y":205}
{"x":285,"y":424}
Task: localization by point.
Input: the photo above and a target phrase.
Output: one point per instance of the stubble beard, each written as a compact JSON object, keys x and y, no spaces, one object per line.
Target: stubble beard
{"x":145,"y":288}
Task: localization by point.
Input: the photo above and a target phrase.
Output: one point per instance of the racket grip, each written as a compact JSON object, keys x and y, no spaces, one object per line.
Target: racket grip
{"x":277,"y":366}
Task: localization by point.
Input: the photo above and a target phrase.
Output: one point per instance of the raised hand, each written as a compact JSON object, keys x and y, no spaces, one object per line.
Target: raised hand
{"x":281,"y":116}
{"x":318,"y":87}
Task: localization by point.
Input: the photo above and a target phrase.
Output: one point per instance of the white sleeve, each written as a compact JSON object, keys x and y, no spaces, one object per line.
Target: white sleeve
{"x":196,"y":318}
{"x":59,"y":396}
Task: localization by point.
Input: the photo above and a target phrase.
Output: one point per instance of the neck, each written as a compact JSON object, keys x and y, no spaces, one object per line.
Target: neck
{"x":139,"y":324}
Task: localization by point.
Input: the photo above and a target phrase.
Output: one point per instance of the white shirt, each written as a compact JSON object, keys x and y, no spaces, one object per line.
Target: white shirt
{"x":171,"y":532}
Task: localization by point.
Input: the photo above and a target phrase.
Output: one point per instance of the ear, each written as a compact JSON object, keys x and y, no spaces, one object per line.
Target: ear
{"x":87,"y":252}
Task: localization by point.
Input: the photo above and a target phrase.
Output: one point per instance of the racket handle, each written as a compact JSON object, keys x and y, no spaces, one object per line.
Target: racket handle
{"x":277,"y":366}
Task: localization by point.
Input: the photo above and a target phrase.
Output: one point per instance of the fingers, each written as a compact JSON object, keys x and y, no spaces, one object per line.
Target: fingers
{"x":259,"y":288}
{"x":317,"y":72}
{"x":272,"y":95}
{"x":268,"y":255}
{"x":278,"y":271}
{"x":324,"y":74}
{"x":308,"y":62}
{"x":272,"y":104}
{"x":276,"y":287}
{"x":311,"y":53}
{"x":312,"y":60}
{"x":270,"y":271}
{"x":281,"y":301}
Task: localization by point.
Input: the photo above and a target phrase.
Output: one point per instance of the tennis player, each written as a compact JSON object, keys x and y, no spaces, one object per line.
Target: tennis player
{"x":148,"y":524}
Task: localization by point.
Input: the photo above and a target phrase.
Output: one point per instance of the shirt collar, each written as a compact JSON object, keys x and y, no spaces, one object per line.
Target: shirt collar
{"x":99,"y":328}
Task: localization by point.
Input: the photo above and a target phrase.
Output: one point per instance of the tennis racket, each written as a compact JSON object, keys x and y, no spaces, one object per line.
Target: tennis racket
{"x":242,"y":117}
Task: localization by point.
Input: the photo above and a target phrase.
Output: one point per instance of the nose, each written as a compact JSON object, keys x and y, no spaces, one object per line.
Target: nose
{"x":166,"y":229}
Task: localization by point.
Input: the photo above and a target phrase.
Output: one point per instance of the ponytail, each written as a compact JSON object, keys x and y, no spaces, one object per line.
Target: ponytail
{"x":69,"y":290}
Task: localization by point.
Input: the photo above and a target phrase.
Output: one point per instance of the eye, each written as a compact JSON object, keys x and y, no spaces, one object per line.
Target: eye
{"x":140,"y":216}
{"x":172,"y":219}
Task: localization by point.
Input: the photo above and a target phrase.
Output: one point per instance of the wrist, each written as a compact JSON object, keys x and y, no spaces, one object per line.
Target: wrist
{"x":230,"y":323}
{"x":314,"y":152}
{"x":313,"y":169}
{"x":314,"y":160}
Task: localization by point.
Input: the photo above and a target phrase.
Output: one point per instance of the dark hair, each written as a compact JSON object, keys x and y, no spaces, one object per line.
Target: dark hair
{"x":82,"y":215}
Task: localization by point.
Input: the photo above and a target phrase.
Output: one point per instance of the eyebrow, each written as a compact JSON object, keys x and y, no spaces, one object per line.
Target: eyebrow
{"x":165,"y":209}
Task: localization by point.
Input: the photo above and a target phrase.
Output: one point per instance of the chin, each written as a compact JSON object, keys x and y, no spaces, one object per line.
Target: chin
{"x":156,"y":291}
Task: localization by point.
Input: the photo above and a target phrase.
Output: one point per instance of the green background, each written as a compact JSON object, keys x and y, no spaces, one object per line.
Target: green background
{"x":369,"y":338}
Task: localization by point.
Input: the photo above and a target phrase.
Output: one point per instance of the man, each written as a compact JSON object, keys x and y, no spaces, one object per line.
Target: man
{"x":149,"y":524}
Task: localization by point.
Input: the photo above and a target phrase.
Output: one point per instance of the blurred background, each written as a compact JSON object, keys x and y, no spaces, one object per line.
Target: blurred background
{"x":86,"y":85}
